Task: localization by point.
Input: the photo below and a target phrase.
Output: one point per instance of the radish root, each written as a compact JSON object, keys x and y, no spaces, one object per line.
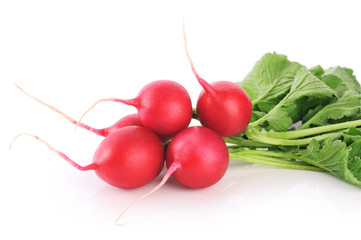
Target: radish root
{"x":207,"y":87}
{"x":169,"y":172}
{"x":100,"y":132}
{"x":74,"y":164}
{"x":132,"y":102}
{"x":45,"y":104}
{"x":101,"y":100}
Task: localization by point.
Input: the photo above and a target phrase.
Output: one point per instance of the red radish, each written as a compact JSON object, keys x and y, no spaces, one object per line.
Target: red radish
{"x":202,"y":156}
{"x":223,"y":105}
{"x":163,"y":106}
{"x":127,"y":158}
{"x":129,"y":120}
{"x":197,"y":157}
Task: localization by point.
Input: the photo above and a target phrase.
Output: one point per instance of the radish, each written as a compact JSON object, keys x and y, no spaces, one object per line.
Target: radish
{"x":127,"y":158}
{"x":201,"y":157}
{"x":197,"y":157}
{"x":222,"y":105}
{"x":163,"y":106}
{"x":129,"y":120}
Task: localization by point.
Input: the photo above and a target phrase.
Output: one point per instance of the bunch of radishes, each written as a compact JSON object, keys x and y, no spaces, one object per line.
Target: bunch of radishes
{"x":133,"y":152}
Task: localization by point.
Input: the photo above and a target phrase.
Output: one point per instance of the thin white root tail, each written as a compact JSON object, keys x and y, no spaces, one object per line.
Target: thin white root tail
{"x":101,"y":100}
{"x":187,"y":53}
{"x":45,"y":104}
{"x":91,"y":166}
{"x":169,"y":172}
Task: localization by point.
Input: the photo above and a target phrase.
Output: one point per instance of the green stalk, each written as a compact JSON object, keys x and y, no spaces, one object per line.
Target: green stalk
{"x":306,"y":125}
{"x":241,"y":142}
{"x":271,"y":161}
{"x":270,"y":153}
{"x":300,"y":159}
{"x":263,"y":138}
{"x":290,"y":158}
{"x":313,"y":131}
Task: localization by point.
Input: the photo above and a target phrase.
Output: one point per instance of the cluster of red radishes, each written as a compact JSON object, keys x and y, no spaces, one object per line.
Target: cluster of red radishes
{"x":134,"y":149}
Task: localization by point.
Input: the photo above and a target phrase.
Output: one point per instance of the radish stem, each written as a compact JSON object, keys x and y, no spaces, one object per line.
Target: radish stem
{"x":241,"y":142}
{"x":313,"y":131}
{"x":263,"y":138}
{"x":275,"y":162}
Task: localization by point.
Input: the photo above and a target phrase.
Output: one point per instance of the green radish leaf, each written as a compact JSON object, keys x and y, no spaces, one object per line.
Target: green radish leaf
{"x":348,"y":80}
{"x":334,"y":82}
{"x":335,"y":157}
{"x":317,"y":71}
{"x":269,"y":80}
{"x":354,"y":171}
{"x":257,"y":115}
{"x":294,"y":105}
{"x":331,"y":156}
{"x":347,"y":106}
{"x":312,"y":112}
{"x":351,"y":135}
{"x":355,"y":149}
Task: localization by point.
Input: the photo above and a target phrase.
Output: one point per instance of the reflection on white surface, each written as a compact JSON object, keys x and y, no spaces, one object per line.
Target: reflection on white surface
{"x":250,"y":196}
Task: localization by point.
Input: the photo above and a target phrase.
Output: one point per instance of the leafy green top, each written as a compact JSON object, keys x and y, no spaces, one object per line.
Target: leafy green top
{"x":323,"y":107}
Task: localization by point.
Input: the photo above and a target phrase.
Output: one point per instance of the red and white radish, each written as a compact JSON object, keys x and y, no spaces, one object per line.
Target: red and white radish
{"x":197,"y":157}
{"x":163,"y":106}
{"x":222,"y":105}
{"x":127,"y":158}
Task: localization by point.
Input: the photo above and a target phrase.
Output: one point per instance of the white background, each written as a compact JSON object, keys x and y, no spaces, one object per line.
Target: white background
{"x":72,"y":53}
